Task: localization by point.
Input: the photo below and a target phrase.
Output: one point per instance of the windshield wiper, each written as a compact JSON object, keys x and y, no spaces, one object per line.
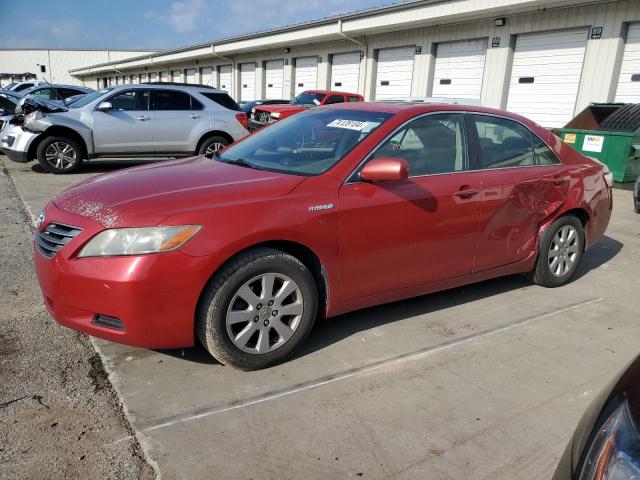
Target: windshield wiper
{"x":242,"y":162}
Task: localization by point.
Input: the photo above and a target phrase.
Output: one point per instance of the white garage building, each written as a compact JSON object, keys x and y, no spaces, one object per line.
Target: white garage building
{"x":546,"y":59}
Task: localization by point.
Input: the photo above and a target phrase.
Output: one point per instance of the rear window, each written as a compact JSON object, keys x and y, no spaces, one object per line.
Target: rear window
{"x":222,"y":99}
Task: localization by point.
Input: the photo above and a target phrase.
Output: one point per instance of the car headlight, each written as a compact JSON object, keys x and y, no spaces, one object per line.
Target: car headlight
{"x":614,"y":452}
{"x":138,"y":241}
{"x":275,"y":114}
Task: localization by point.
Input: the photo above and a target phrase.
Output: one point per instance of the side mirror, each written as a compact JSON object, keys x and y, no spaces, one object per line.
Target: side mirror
{"x":385,"y":169}
{"x":105,"y":106}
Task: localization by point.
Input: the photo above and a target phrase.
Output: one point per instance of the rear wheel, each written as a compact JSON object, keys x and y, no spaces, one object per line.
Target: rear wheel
{"x":212,"y":144}
{"x":59,"y":154}
{"x":560,"y":252}
{"x":257,"y":310}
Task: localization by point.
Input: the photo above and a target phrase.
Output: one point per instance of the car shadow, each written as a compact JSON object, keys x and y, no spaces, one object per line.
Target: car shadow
{"x":333,"y":330}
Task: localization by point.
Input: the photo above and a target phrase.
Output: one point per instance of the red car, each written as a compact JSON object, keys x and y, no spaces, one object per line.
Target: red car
{"x":265,"y":114}
{"x":335,"y":209}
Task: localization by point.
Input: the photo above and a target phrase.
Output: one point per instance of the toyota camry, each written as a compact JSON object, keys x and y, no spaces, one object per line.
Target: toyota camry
{"x":334,"y":209}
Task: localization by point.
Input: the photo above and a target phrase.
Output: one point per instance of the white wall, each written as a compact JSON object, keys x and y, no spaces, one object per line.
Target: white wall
{"x":58,"y":62}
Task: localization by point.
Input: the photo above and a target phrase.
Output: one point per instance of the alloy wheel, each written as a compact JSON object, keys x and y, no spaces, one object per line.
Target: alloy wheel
{"x":264,"y":313}
{"x":61,"y":155}
{"x":563,"y":251}
{"x":213,"y":148}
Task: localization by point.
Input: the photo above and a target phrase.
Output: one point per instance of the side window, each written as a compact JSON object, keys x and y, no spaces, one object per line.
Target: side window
{"x":503,"y":143}
{"x":544,"y":155}
{"x":353,"y":99}
{"x":170,"y":100}
{"x":130,"y":100}
{"x":45,"y":93}
{"x":431,"y":144}
{"x":334,"y":99}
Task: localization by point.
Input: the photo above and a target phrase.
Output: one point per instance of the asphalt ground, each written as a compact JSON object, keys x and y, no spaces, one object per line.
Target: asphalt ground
{"x":486,"y":381}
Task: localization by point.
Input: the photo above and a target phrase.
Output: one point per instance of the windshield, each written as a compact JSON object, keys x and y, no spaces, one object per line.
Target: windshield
{"x":308,"y":143}
{"x":308,"y":99}
{"x":88,"y":98}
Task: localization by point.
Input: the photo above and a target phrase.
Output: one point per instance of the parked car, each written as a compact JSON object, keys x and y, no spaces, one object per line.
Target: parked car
{"x":246,"y":107}
{"x":606,"y":442}
{"x":263,"y":115}
{"x":331,"y":210}
{"x":8,"y":102}
{"x":20,"y":86}
{"x":56,"y":92}
{"x":134,"y":120}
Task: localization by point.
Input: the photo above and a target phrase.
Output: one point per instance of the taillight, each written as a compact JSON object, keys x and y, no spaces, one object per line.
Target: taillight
{"x":242,"y":118}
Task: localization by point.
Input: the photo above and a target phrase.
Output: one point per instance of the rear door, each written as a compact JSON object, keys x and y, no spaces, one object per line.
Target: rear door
{"x":399,"y":234}
{"x":127,"y":127}
{"x":177,"y":116}
{"x":523,"y":182}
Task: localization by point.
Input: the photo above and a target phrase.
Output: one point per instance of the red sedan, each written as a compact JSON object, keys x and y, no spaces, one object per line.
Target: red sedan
{"x":334,"y":209}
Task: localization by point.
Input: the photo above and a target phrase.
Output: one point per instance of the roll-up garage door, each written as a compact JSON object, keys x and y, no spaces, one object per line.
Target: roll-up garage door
{"x":191,"y":75}
{"x":345,"y":72}
{"x":545,"y":76}
{"x":306,"y":76}
{"x":274,"y":79}
{"x":459,"y":69}
{"x":226,"y":78}
{"x":247,"y":82}
{"x":629,"y":80}
{"x":207,"y":76}
{"x":395,"y":72}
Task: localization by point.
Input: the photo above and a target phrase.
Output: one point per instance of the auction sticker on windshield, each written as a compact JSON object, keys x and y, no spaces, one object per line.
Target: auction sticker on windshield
{"x":348,"y":124}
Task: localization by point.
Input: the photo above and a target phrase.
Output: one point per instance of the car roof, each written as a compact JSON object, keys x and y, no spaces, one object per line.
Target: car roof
{"x":418,"y":108}
{"x":40,"y":86}
{"x":332,"y":92}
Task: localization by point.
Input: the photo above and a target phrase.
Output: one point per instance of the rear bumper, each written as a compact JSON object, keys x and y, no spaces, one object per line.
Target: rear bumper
{"x":154,"y":296}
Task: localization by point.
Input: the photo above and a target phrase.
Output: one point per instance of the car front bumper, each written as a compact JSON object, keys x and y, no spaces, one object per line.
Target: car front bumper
{"x":153,"y":296}
{"x":15,"y":143}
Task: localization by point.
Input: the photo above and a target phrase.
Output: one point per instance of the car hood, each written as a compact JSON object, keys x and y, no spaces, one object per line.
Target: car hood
{"x":146,"y":195}
{"x":288,"y":108}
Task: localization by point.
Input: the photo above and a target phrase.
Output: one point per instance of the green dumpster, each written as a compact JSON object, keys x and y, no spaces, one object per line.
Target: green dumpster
{"x":609,"y":132}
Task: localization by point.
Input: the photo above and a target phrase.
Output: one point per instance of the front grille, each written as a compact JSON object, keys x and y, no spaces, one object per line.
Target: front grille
{"x":55,"y":236}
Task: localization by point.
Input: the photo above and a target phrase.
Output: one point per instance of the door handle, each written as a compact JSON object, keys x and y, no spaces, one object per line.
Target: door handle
{"x":467,"y":192}
{"x":143,"y":118}
{"x":195,"y":115}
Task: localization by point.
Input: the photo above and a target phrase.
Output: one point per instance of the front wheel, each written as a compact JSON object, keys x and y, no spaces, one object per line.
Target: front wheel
{"x":257,"y":310}
{"x":560,"y":252}
{"x":59,"y":154}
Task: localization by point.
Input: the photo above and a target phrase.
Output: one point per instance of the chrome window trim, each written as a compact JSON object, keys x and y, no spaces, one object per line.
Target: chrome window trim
{"x":351,"y":181}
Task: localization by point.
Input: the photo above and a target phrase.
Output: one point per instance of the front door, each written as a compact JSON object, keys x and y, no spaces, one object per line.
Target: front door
{"x":400,"y":234}
{"x":127,"y":127}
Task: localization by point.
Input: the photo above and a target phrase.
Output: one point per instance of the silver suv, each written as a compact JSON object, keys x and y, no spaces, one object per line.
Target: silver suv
{"x":139,"y":120}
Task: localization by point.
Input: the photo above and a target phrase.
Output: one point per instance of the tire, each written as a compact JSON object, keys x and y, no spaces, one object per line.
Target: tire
{"x":258,"y":324}
{"x":557,"y":262}
{"x":59,"y":154}
{"x":212,"y":144}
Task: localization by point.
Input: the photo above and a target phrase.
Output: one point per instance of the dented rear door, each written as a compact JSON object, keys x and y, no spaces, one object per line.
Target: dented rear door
{"x":517,"y":195}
